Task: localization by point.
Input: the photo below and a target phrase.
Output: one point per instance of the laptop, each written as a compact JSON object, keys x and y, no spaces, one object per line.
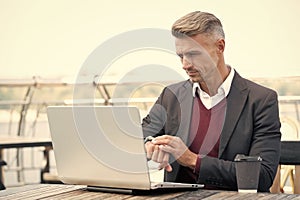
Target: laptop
{"x":103,"y":147}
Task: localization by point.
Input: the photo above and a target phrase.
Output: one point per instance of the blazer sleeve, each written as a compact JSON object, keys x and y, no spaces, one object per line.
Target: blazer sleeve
{"x":153,"y":123}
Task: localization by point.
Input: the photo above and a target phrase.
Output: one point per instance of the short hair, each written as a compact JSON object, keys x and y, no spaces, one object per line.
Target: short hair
{"x":197,"y":23}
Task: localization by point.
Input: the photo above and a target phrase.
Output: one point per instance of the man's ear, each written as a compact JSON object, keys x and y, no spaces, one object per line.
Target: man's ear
{"x":220,"y":45}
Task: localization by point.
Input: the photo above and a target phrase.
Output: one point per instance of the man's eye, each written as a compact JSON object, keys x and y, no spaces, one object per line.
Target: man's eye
{"x":180,"y":56}
{"x":191,"y":54}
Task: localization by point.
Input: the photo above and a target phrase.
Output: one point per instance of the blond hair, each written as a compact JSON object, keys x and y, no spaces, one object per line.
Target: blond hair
{"x":198,"y":23}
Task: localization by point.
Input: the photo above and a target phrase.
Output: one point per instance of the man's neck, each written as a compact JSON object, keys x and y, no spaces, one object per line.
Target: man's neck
{"x":212,"y":89}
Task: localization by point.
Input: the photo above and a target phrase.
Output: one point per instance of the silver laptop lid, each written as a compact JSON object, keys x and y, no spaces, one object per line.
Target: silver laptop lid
{"x":99,"y":146}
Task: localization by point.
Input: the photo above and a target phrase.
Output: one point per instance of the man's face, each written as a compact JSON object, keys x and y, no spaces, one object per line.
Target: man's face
{"x":198,"y":56}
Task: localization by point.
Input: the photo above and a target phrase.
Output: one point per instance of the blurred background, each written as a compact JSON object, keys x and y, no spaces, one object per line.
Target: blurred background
{"x":45,"y":44}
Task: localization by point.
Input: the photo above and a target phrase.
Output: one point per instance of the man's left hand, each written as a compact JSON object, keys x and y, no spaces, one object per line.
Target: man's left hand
{"x":175,"y":146}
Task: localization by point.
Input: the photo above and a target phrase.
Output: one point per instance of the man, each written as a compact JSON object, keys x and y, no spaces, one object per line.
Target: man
{"x":201,"y":124}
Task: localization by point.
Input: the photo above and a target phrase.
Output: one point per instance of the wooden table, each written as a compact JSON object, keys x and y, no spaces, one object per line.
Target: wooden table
{"x":60,"y":191}
{"x":7,"y":142}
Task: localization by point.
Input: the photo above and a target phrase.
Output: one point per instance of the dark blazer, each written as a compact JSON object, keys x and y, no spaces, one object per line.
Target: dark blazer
{"x":251,"y":127}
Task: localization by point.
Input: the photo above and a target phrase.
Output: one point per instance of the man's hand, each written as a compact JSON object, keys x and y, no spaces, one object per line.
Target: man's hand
{"x":175,"y":146}
{"x":159,"y":156}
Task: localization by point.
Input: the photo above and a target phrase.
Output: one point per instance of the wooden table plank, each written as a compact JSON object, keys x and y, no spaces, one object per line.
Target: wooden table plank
{"x":70,"y":192}
{"x":232,"y":195}
{"x":37,"y":191}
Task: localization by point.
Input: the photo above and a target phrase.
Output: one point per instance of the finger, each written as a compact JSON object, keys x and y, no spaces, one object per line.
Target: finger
{"x":165,"y":166}
{"x":162,"y":165}
{"x":155,"y":153}
{"x":149,"y":149}
{"x":166,"y":148}
{"x":165,"y":163}
{"x":166,"y":158}
{"x":161,"y":140}
{"x":163,"y":137}
{"x":168,"y":168}
{"x":160,"y":156}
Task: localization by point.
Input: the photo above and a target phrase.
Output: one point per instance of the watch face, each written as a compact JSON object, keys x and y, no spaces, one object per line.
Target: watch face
{"x":148,"y":139}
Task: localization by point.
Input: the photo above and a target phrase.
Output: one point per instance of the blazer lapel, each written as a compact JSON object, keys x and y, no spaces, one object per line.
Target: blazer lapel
{"x":235,"y":102}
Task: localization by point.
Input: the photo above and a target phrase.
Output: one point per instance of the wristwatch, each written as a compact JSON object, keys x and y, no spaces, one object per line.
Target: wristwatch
{"x":148,"y":139}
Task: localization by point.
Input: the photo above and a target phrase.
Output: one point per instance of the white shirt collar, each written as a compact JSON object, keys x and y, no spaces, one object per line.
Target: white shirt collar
{"x":223,"y":91}
{"x":228,"y":81}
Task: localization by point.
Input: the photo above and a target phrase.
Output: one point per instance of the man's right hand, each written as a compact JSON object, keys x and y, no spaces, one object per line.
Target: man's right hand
{"x":157,"y":155}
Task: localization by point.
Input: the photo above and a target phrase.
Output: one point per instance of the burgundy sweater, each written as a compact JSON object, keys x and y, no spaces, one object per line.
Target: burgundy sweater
{"x":204,"y":136}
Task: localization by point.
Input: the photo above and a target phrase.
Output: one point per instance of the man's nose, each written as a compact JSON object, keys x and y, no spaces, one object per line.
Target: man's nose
{"x":186,"y":64}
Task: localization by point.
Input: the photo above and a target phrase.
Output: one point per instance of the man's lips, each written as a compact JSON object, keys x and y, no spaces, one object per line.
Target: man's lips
{"x":192,"y":73}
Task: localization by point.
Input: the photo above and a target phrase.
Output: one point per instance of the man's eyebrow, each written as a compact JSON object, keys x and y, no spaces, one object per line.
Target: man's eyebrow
{"x":192,"y":51}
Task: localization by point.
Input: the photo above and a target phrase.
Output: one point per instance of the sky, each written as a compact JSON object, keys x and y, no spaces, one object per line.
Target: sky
{"x":56,"y":38}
